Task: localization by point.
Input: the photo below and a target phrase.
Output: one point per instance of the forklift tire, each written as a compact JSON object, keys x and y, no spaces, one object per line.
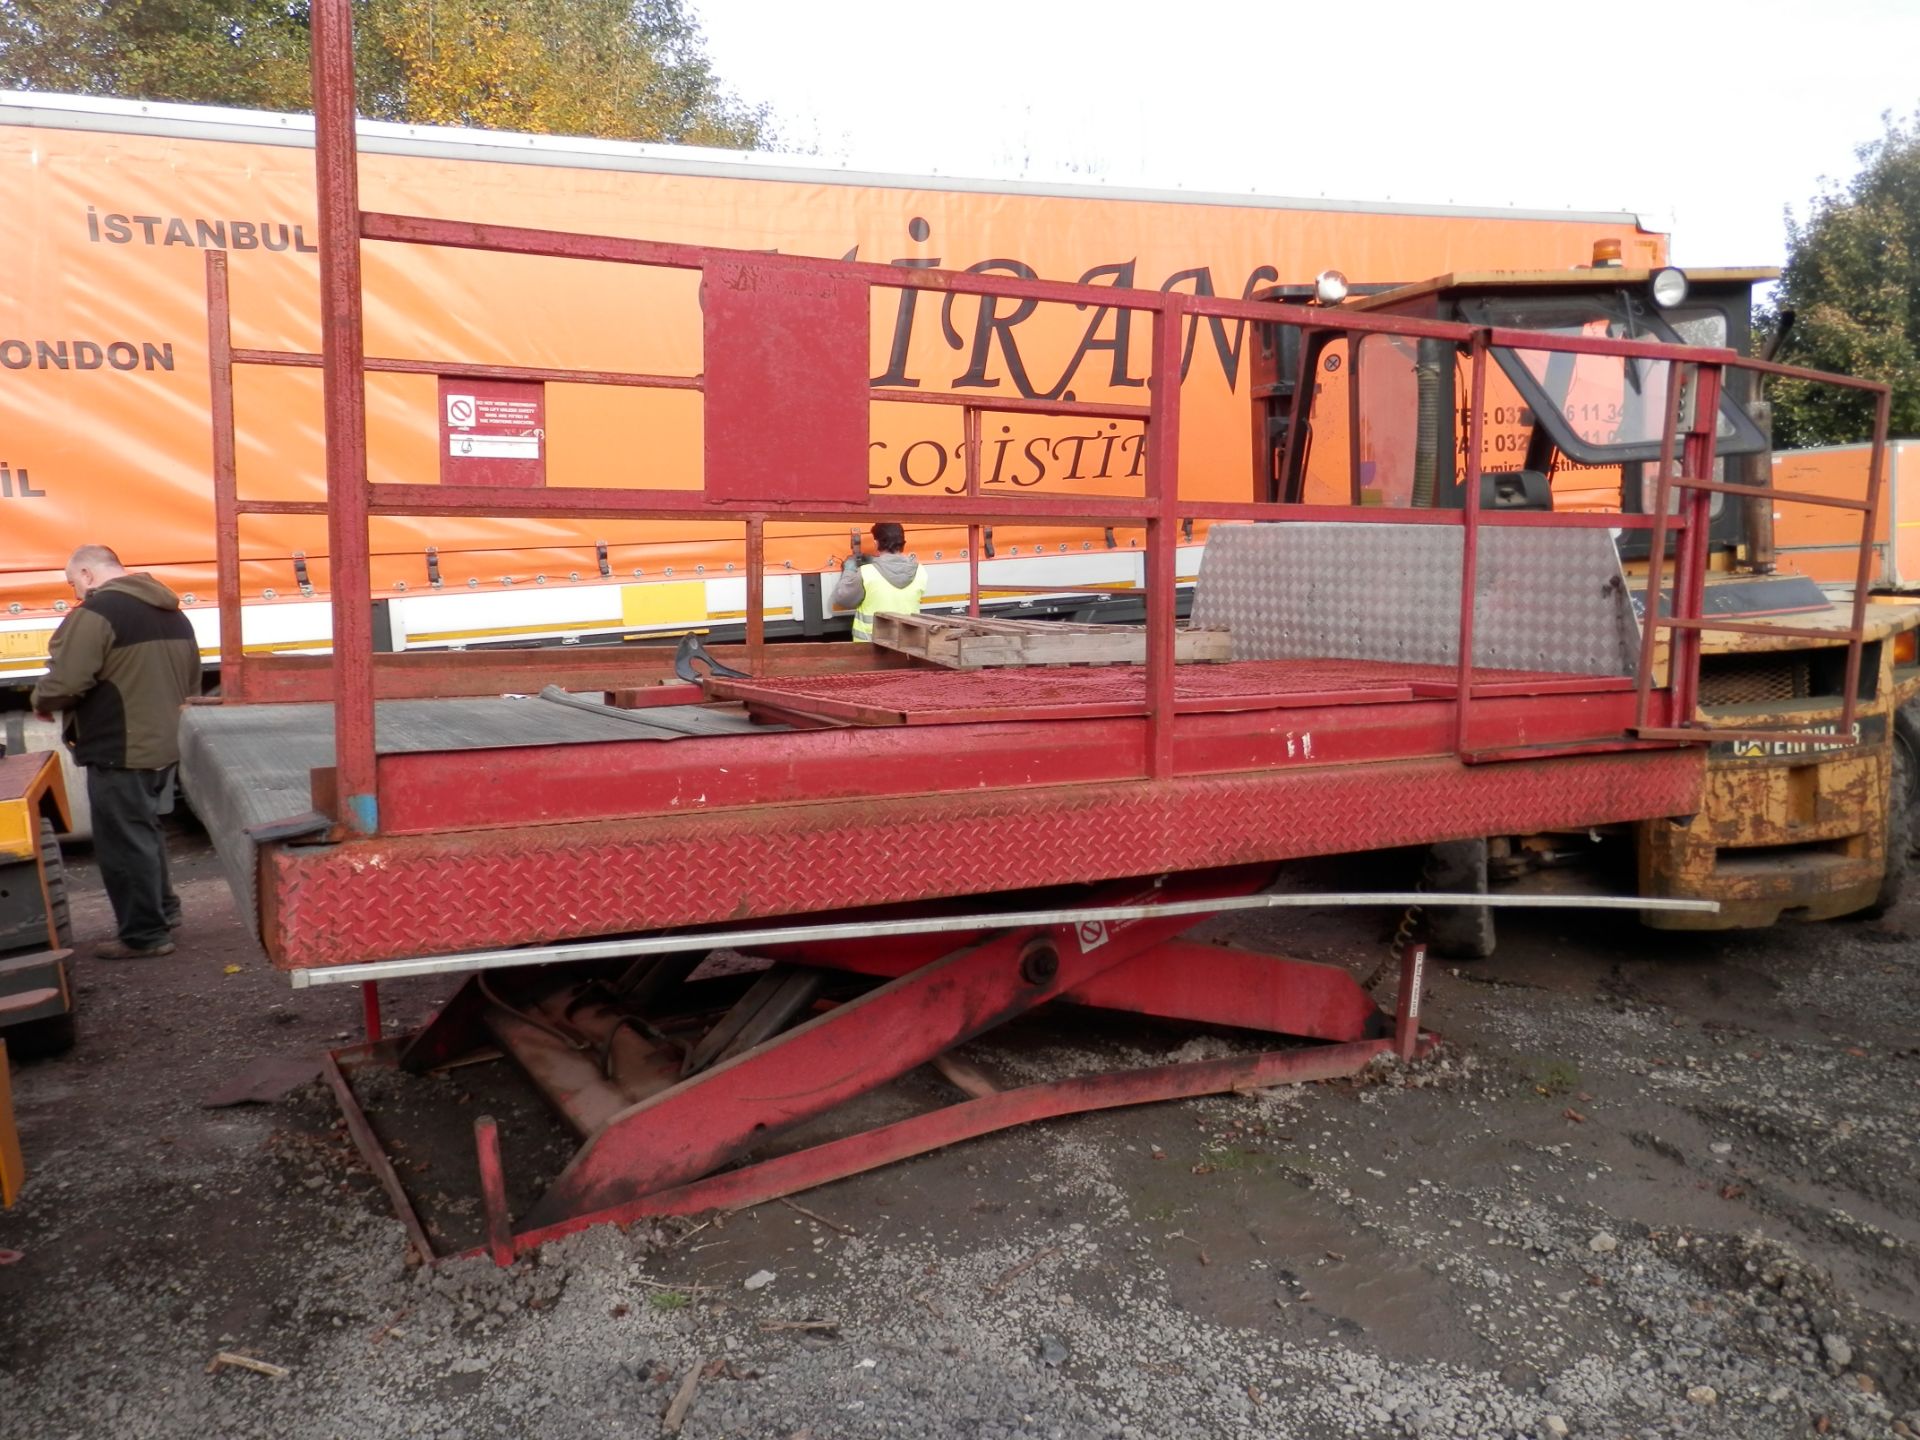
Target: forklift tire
{"x":1459,"y":932}
{"x":55,"y":1035}
{"x":1903,"y":798}
{"x":54,"y":867}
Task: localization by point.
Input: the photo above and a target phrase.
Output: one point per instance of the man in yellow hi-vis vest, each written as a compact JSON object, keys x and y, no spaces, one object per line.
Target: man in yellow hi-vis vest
{"x":891,"y":583}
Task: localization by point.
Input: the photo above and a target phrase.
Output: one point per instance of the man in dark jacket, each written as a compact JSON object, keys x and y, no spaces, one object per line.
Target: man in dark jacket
{"x":123,"y":662}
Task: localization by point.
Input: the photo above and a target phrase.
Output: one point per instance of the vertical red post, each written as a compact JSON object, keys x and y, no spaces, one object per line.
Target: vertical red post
{"x":1863,"y":575}
{"x":974,"y":538}
{"x":1163,"y":488}
{"x":493,"y":1191}
{"x":1470,"y":536}
{"x":1657,"y":557}
{"x":370,"y":1009}
{"x":343,"y":351}
{"x":970,"y":446}
{"x":757,"y":594}
{"x":1406,"y":1016}
{"x":226,"y":476}
{"x":1690,"y":579}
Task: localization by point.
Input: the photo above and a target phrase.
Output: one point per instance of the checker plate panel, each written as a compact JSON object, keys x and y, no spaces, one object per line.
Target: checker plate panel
{"x":382,"y":898}
{"x":1547,"y":599}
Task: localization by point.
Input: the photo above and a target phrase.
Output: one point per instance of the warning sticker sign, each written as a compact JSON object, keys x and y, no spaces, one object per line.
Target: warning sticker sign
{"x":493,"y":432}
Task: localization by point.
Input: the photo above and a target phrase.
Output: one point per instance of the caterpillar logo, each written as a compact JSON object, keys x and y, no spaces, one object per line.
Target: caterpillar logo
{"x":1871,"y":730}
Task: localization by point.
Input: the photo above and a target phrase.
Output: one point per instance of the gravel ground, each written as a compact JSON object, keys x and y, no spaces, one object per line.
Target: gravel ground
{"x":1651,"y":1186}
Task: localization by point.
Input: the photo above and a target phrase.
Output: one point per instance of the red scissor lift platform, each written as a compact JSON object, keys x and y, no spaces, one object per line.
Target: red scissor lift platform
{"x":914,"y":856}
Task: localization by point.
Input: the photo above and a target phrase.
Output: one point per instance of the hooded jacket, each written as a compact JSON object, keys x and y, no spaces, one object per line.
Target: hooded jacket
{"x":897,"y":568}
{"x":123,"y":662}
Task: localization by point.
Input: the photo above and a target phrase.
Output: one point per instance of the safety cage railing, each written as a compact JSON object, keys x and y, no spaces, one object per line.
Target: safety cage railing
{"x":754,"y":407}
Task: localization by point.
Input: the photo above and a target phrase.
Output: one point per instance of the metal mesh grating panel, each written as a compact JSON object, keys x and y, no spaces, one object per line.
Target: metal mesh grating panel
{"x":1746,"y":679}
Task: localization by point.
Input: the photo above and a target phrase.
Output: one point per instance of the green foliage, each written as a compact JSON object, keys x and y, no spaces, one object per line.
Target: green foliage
{"x":1852,"y":279}
{"x":618,"y":69}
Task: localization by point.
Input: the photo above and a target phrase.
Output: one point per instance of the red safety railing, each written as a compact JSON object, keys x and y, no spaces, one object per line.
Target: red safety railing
{"x":839,"y":294}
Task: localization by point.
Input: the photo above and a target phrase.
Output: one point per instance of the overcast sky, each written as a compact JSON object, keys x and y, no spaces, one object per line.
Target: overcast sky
{"x":1707,"y":119}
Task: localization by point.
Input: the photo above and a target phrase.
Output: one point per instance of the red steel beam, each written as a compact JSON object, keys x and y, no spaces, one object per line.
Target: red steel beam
{"x":343,"y":343}
{"x":428,"y":674}
{"x":1163,"y":491}
{"x":1869,"y":532}
{"x":474,"y":790}
{"x":700,"y":1124}
{"x":226,"y":483}
{"x":387,"y":897}
{"x":1469,"y":540}
{"x":952,"y":1124}
{"x":468,"y":370}
{"x":615,"y":502}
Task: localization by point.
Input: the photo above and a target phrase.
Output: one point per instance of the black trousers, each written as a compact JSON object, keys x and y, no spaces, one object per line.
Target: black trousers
{"x":131,"y":849}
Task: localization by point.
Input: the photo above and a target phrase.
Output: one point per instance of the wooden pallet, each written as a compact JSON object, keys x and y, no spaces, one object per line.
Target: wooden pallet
{"x":963,"y":642}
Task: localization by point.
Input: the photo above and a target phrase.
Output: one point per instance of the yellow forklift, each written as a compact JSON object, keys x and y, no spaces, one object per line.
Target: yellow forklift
{"x":1792,"y":829}
{"x":36,"y":933}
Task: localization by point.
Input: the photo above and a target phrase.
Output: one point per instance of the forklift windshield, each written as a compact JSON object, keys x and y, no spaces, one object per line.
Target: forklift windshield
{"x":1601,"y":409}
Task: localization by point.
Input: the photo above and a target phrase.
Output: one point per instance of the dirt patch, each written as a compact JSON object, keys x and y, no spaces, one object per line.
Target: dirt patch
{"x":1652,"y":1185}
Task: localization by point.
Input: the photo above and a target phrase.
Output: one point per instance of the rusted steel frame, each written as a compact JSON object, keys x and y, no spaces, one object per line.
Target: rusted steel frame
{"x":412,"y":229}
{"x":493,"y":1191}
{"x":1739,"y":627}
{"x":1801,"y":497}
{"x":975,"y":537}
{"x":567,"y":245}
{"x":1654,"y":737}
{"x":280,"y":507}
{"x":970,"y":432}
{"x":688,"y":1131}
{"x":1470,"y":539}
{"x":1406,"y":1014}
{"x":1220,"y":985}
{"x":969,"y":1119}
{"x":1505,"y":339}
{"x":1827,"y":739}
{"x":1657,"y":554}
{"x":1690,"y":578}
{"x":1097,"y":409}
{"x":226,"y":474}
{"x":973,"y":427}
{"x":757,"y":594}
{"x":343,"y":343}
{"x":487,"y":793}
{"x":1385,"y":515}
{"x":1499,"y":337}
{"x":614,"y":502}
{"x":523,"y":240}
{"x":466,"y":370}
{"x":371,"y":1151}
{"x":431,"y":674}
{"x":1163,"y":491}
{"x":538,"y":883}
{"x":1863,"y":572}
{"x":1796,"y":372}
{"x":370,"y":1010}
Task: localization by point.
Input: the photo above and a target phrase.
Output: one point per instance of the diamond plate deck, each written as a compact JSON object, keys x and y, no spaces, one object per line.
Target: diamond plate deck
{"x":1547,"y":599}
{"x":381,"y":898}
{"x":949,"y":697}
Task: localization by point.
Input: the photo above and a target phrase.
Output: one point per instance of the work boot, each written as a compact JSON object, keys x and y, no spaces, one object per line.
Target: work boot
{"x":120,"y":950}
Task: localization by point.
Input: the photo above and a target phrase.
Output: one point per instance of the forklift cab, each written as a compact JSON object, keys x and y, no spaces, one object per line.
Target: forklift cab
{"x":1382,"y":419}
